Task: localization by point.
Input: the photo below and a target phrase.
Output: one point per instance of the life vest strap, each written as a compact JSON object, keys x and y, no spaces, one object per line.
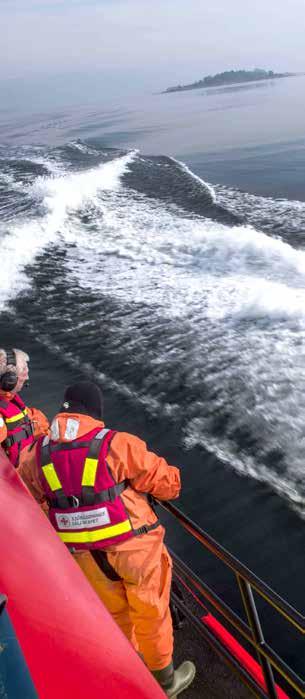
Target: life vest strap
{"x":101,"y":560}
{"x":18,"y":437}
{"x":91,"y":466}
{"x":19,"y":419}
{"x":45,"y":452}
{"x":68,"y":446}
{"x":146,"y":528}
{"x":107,"y":495}
{"x":60,"y":498}
{"x":62,"y":501}
{"x":21,"y":422}
{"x":111,"y":493}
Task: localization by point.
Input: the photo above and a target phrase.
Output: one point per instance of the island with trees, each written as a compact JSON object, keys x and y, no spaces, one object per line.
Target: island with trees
{"x":229,"y":77}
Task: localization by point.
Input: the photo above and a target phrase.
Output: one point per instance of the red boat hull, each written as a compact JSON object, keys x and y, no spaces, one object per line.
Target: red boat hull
{"x":70,"y":643}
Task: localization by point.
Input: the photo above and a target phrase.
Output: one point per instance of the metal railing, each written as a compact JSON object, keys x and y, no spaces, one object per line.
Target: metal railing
{"x":251,"y":631}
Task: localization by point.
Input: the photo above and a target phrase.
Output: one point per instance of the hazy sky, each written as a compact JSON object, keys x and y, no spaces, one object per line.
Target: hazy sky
{"x":147,"y":44}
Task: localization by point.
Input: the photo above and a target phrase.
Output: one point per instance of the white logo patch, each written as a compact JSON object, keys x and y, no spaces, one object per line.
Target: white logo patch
{"x":88,"y":519}
{"x":71,"y":428}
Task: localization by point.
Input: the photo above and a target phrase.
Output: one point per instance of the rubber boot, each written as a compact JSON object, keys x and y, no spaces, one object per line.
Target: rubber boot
{"x":173,"y":682}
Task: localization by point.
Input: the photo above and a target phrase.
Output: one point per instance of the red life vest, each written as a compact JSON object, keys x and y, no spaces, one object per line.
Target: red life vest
{"x":19,"y":427}
{"x":85,"y":507}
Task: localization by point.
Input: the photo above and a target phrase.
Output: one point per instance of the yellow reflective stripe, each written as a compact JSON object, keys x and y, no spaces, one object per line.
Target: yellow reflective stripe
{"x":51,"y":477}
{"x":16,"y":417}
{"x":90,"y":537}
{"x":89,"y":472}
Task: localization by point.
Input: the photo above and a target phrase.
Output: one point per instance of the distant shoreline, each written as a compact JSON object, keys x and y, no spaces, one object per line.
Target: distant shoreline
{"x":230,"y":77}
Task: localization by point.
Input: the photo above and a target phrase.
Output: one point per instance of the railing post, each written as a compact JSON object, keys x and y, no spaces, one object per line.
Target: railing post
{"x":254,"y":623}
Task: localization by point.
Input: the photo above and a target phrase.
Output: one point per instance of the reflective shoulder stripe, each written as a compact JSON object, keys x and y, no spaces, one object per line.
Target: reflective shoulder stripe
{"x":91,"y":462}
{"x":51,"y":477}
{"x":89,"y":472}
{"x":91,"y":537}
{"x":19,"y":416}
{"x":102,"y":433}
{"x":54,"y":428}
{"x":45,"y":440}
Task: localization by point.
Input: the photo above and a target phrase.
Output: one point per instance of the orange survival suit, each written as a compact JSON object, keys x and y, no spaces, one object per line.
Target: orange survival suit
{"x":135,"y":582}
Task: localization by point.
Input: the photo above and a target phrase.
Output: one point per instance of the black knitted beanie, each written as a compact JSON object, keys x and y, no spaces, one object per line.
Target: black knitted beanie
{"x":83,"y":397}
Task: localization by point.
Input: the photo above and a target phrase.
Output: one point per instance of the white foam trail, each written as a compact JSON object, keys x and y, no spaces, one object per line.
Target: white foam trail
{"x":62,"y":195}
{"x":6,"y":178}
{"x":247,"y":466}
{"x":270,"y":300}
{"x":204,"y":275}
{"x":239,"y":272}
{"x":58,"y":196}
{"x":205,"y":184}
{"x":83,"y":148}
{"x":240,"y":248}
{"x":286,"y":216}
{"x":207,"y":276}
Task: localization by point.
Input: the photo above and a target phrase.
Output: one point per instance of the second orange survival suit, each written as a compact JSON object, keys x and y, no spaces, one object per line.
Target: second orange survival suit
{"x":135,"y":585}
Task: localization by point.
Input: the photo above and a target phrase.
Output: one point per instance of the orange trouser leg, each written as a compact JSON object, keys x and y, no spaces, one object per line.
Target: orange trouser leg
{"x":149,"y":611}
{"x":112,"y":593}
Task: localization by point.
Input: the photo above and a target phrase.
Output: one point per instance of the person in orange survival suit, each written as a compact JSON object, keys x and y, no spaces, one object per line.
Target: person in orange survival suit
{"x":86,"y":476}
{"x":19,"y":425}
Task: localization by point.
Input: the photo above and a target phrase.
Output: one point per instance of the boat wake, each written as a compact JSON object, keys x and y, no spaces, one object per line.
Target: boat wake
{"x":186,"y":299}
